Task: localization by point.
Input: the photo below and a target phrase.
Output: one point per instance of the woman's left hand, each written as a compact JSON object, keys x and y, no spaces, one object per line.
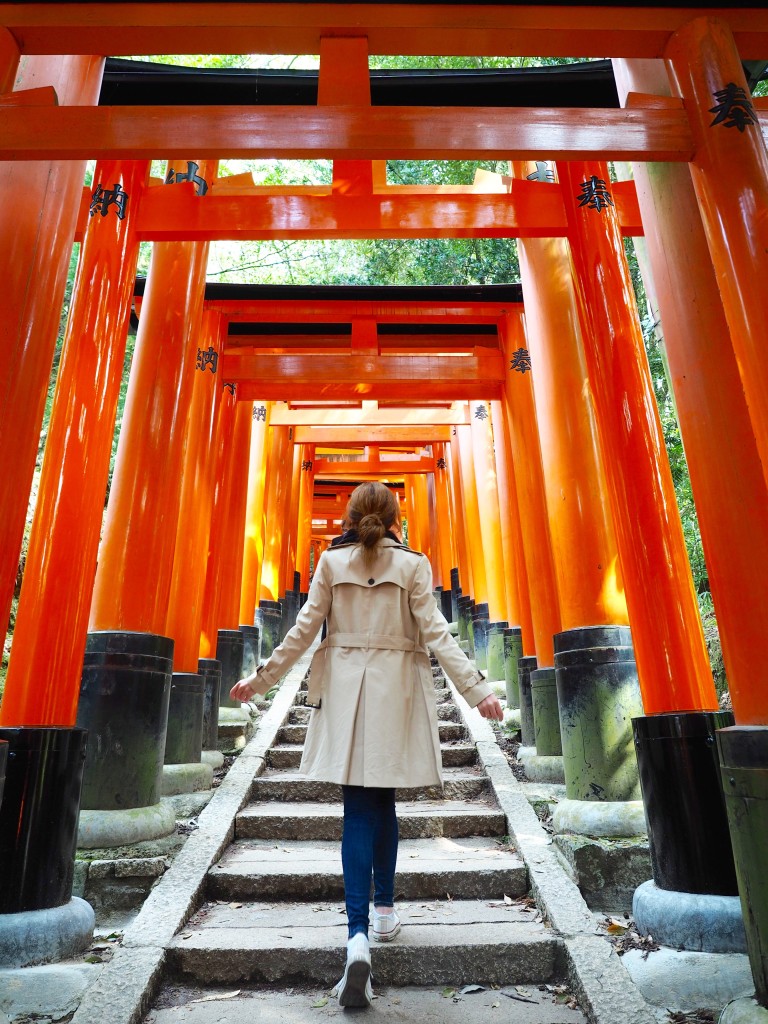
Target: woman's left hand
{"x":243,"y":690}
{"x":490,"y":707}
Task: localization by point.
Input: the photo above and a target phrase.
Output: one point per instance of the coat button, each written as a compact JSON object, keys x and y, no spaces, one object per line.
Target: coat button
{"x":371,"y":581}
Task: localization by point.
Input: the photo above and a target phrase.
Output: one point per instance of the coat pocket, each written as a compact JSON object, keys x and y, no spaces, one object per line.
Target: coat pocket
{"x":316,"y":683}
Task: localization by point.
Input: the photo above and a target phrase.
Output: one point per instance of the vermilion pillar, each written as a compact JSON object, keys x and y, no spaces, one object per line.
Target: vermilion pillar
{"x":668,"y":638}
{"x":185,"y":609}
{"x":520,"y":410}
{"x":52,"y":621}
{"x":458,"y":514}
{"x":222,"y":447}
{"x":488,"y":508}
{"x":730,"y":493}
{"x":444,"y":520}
{"x":288,"y":559}
{"x":421,"y":511}
{"x":730,"y":175}
{"x":39,"y":204}
{"x":473,"y":536}
{"x":306,"y":495}
{"x":233,"y":532}
{"x":515,"y":575}
{"x":414,"y":532}
{"x":9,"y":60}
{"x":253,"y":545}
{"x":133,"y":582}
{"x":585,"y":554}
{"x":278,"y":490}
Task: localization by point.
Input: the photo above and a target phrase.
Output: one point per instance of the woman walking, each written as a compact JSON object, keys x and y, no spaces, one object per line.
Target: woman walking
{"x":374,"y":728}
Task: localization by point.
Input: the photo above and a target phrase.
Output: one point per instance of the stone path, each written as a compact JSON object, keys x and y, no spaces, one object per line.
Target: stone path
{"x":274,"y":910}
{"x":250,"y":919}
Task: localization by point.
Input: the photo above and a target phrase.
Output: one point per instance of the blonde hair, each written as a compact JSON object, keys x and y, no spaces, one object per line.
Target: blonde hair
{"x":371,"y":511}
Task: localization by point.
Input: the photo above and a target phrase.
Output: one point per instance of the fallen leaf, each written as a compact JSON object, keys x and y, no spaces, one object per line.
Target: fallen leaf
{"x":471,"y":988}
{"x":215,"y":998}
{"x":448,"y":992}
{"x":496,"y":1005}
{"x":320,"y":1003}
{"x":507,"y":899}
{"x":235,"y":906}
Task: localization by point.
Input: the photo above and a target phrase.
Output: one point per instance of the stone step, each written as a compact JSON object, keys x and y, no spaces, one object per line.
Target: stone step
{"x":446,"y":712}
{"x":458,"y":784}
{"x":417,"y":819}
{"x":454,"y":755}
{"x":298,"y":733}
{"x":475,"y":869}
{"x":441,"y":943}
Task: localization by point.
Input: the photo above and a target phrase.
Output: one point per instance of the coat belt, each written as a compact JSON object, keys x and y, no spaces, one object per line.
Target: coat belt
{"x":362,"y":641}
{"x":372,"y":641}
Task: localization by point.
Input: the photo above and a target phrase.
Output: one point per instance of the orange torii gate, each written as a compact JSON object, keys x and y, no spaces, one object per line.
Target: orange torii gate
{"x":703,"y":48}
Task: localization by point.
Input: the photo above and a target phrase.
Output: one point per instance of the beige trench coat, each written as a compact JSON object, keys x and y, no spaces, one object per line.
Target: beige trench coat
{"x":377,"y":724}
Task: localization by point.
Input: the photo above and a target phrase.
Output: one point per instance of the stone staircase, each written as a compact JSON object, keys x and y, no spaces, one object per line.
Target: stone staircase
{"x":273,"y":912}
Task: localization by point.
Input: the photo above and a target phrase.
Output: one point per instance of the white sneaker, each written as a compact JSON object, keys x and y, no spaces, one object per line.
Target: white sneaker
{"x":354,"y":989}
{"x":385,"y":926}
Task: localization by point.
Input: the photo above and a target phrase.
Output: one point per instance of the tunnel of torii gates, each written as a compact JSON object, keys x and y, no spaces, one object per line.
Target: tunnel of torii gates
{"x":517,"y":424}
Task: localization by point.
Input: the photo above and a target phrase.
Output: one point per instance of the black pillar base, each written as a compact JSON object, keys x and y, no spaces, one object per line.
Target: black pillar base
{"x":480,"y":624}
{"x":184,"y":738}
{"x":680,"y":780}
{"x":744,"y":771}
{"x":210,"y":670}
{"x":38,"y":816}
{"x":124,"y":694}
{"x":229,"y":652}
{"x":268,"y":619}
{"x":251,"y":648}
{"x":527,"y":729}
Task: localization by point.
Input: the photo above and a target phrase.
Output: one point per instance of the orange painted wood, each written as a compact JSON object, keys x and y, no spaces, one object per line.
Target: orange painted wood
{"x":306,"y":493}
{"x":730,"y":175}
{"x":470,"y":29}
{"x":415,"y":435}
{"x":333,"y":311}
{"x":226,"y":406}
{"x":586,"y":559}
{"x":383,"y":468}
{"x":386,"y":416}
{"x":445,"y":543}
{"x":45,"y":96}
{"x":288,"y":556}
{"x":52,"y":618}
{"x":253,"y":543}
{"x":349,"y":375}
{"x":730,"y":493}
{"x":458,"y":515}
{"x":193,"y":533}
{"x":488,"y":507}
{"x":301,"y":133}
{"x":9,"y":60}
{"x":134,"y":576}
{"x":279,"y":466}
{"x":231,"y":565}
{"x":37,"y":220}
{"x":672,"y":662}
{"x":520,"y":410}
{"x":515,"y":575}
{"x":412,"y":516}
{"x":422,"y":513}
{"x":532,"y":210}
{"x":471,"y":507}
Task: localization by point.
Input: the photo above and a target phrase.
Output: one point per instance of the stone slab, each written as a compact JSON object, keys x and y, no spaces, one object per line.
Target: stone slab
{"x":283,"y":943}
{"x":463,"y":868}
{"x":682,"y":980}
{"x":106,"y":829}
{"x":606,"y":871}
{"x":186,"y":778}
{"x":454,"y":755}
{"x":48,"y":992}
{"x":417,"y":819}
{"x":609,"y":819}
{"x":394,"y":1005}
{"x":461,"y":784}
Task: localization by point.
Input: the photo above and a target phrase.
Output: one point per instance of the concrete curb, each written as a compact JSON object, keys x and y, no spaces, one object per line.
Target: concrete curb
{"x":596,"y":974}
{"x":128,"y":983}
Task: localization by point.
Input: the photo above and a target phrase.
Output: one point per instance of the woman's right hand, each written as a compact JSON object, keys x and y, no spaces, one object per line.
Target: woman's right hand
{"x":490,"y":707}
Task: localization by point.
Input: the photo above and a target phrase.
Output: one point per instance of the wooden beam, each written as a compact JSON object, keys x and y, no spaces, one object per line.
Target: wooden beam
{"x":531,"y":210}
{"x":371,"y":435}
{"x":388,"y":467}
{"x":283,"y":415}
{"x":469,"y":29}
{"x":378,"y":133}
{"x":415,"y":377}
{"x":392,"y":311}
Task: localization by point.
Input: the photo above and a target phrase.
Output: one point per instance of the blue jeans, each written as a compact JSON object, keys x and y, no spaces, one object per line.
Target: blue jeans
{"x":368,"y":850}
